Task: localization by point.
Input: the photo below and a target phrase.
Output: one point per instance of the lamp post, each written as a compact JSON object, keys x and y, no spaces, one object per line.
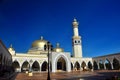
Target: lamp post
{"x":48,"y":47}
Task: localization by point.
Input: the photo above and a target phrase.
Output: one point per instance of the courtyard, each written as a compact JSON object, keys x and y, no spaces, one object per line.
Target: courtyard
{"x":77,"y":75}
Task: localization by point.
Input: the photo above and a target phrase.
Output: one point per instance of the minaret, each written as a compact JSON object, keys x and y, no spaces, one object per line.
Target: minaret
{"x":76,"y":40}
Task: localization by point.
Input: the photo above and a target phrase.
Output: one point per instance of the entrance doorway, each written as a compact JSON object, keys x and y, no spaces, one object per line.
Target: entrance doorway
{"x":61,"y":64}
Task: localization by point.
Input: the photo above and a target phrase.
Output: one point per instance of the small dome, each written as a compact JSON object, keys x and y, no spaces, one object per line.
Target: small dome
{"x":58,"y":49}
{"x":11,"y":48}
{"x":39,"y":43}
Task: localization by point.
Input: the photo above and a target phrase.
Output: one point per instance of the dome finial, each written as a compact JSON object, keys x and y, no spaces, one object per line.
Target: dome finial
{"x":57,"y":45}
{"x":41,"y":38}
{"x":75,"y":20}
{"x":10,"y":45}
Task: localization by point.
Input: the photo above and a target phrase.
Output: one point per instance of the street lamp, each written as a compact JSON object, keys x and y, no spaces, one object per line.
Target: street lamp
{"x":48,"y":47}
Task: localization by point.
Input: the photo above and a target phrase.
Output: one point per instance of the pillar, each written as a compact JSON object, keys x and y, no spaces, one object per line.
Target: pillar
{"x":30,"y":68}
{"x":104,"y":66}
{"x":111,"y":63}
{"x":98,"y":66}
{"x":20,"y":68}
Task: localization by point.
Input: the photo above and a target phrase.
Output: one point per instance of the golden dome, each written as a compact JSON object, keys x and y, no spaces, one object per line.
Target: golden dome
{"x":39,"y":43}
{"x":58,"y":49}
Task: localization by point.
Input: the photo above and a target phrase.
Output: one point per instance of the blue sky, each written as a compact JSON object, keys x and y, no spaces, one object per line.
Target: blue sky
{"x":24,"y":21}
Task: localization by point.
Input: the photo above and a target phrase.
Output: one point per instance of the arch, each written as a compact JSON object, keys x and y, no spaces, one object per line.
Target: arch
{"x":66,"y":59}
{"x":77,"y":66}
{"x":89,"y":65}
{"x":44,"y":66}
{"x":95,"y":65}
{"x":71,"y":66}
{"x":25,"y":66}
{"x":35,"y":66}
{"x":101,"y":64}
{"x":83,"y":65}
{"x":116,"y":64}
{"x":16,"y":65}
{"x":107,"y":64}
{"x":61,"y":64}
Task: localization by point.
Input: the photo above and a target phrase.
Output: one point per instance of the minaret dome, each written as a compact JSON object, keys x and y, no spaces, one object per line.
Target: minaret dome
{"x":75,"y":23}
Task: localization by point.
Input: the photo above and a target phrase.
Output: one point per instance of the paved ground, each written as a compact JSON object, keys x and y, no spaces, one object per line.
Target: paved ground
{"x":87,"y":75}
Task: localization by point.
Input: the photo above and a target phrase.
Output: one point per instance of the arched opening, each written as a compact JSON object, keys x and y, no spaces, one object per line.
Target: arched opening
{"x":35,"y":66}
{"x":89,"y":65}
{"x":71,"y":66}
{"x":116,"y":64}
{"x":44,"y":66}
{"x":95,"y":65}
{"x":61,"y":64}
{"x":77,"y":66}
{"x":83,"y":65}
{"x":16,"y":66}
{"x":107,"y":64}
{"x":101,"y":65}
{"x":25,"y":66}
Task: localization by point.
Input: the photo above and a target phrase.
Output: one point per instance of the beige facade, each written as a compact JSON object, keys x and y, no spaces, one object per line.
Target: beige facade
{"x":36,"y":59}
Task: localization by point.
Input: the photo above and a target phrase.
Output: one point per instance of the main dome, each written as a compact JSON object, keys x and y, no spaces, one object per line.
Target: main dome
{"x":39,"y":43}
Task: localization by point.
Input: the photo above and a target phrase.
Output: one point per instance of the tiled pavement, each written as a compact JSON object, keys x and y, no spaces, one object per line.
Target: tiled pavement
{"x":95,"y":75}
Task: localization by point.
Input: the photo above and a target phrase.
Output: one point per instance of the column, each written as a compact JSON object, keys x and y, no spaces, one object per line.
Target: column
{"x":20,"y":68}
{"x":68,"y":66}
{"x":54,"y":66}
{"x":86,"y":65}
{"x":104,"y":66}
{"x":98,"y":66}
{"x":111,"y":65}
{"x":40,"y":69}
{"x":30,"y":68}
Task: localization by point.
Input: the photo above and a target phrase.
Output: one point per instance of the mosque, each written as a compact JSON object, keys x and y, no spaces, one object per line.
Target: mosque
{"x":36,"y":59}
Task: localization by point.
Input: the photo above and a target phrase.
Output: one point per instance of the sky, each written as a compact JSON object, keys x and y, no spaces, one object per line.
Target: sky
{"x":24,"y":21}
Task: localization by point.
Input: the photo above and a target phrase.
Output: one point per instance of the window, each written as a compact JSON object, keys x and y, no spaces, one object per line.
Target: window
{"x":75,"y":41}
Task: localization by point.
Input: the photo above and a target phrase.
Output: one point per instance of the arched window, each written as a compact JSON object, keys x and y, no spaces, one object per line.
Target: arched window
{"x":107,"y":64}
{"x":44,"y":66}
{"x":77,"y":66}
{"x":83,"y":65}
{"x":89,"y":65}
{"x":116,"y":64}
{"x":25,"y":66}
{"x":78,"y":41}
{"x":95,"y":65}
{"x":75,"y":41}
{"x":101,"y":65}
{"x":35,"y":66}
{"x":16,"y":65}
